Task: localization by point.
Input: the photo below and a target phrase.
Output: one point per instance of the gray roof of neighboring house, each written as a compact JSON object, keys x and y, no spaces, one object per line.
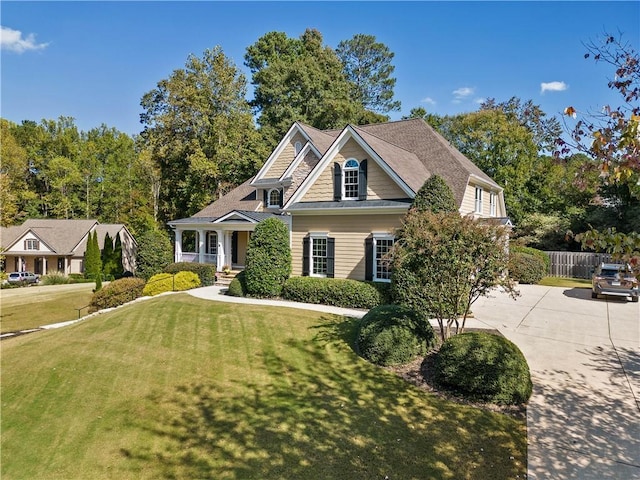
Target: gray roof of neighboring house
{"x":61,"y":236}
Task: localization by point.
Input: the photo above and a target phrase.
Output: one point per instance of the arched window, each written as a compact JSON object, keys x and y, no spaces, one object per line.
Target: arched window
{"x":274,"y":198}
{"x":350,"y":179}
{"x":298,"y":147}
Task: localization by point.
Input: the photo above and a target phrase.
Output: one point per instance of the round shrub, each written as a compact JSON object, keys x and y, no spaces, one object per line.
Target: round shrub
{"x":393,"y":335}
{"x":165,"y":282}
{"x":268,"y":263}
{"x":482,"y":366}
{"x":207,"y":273}
{"x":526,"y":268}
{"x":535,"y":252}
{"x":116,"y":293}
{"x":237,"y":287}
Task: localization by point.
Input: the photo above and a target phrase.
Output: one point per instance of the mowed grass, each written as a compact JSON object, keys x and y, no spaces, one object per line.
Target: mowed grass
{"x":565,"y":282}
{"x":181,"y":388}
{"x":31,"y":307}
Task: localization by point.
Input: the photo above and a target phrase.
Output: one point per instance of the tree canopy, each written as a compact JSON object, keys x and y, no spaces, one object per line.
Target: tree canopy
{"x":199,"y":132}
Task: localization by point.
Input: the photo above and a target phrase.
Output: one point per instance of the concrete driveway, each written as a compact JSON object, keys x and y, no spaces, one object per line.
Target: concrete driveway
{"x":584,"y":354}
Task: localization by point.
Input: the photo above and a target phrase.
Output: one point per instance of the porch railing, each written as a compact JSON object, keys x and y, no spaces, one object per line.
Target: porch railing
{"x":195,"y":257}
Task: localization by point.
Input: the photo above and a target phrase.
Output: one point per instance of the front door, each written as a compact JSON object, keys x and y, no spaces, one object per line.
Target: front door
{"x":234,"y":248}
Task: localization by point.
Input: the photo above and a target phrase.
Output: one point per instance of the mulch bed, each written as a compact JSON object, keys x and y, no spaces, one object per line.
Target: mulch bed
{"x":420,"y":373}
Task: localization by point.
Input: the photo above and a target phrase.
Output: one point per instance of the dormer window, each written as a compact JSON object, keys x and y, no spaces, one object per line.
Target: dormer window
{"x":274,"y":198}
{"x":298,"y":147}
{"x":31,"y":244}
{"x":350,"y":180}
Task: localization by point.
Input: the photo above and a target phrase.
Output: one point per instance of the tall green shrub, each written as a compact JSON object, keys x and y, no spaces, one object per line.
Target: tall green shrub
{"x":118,"y":267}
{"x":92,"y":261}
{"x":434,"y":196}
{"x":107,"y":255}
{"x":268,"y":259}
{"x":154,"y":253}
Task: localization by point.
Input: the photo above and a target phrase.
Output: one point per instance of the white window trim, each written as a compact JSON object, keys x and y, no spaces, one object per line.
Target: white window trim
{"x":493,"y":204}
{"x":351,"y":169}
{"x":316,"y":236}
{"x":31,"y":241}
{"x":376,"y":237}
{"x":209,"y":243}
{"x":269,"y":204}
{"x":478,"y":200}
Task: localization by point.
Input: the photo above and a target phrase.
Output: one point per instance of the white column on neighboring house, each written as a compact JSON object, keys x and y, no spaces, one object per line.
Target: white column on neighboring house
{"x":201,"y":245}
{"x":178,"y":251}
{"x":44,"y":265}
{"x":222,"y":250}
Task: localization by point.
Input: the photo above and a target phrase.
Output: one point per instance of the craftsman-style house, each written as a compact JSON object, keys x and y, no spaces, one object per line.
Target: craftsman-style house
{"x":342,"y":193}
{"x":48,"y":245}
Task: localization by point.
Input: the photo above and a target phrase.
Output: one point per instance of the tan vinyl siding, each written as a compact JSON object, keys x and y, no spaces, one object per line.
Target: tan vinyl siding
{"x":469,"y":202}
{"x":300,"y":173}
{"x":322,"y":188}
{"x":349,"y":232}
{"x":285,"y":158}
{"x":379,"y":185}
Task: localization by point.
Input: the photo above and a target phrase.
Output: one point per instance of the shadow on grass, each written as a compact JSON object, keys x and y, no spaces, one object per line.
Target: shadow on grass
{"x":325,"y":413}
{"x":587,"y":424}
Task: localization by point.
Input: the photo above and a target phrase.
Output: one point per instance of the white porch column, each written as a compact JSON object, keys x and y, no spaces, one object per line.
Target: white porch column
{"x":178,"y":250}
{"x":222,"y":249}
{"x":44,"y":265}
{"x":201,"y":245}
{"x":228,"y":257}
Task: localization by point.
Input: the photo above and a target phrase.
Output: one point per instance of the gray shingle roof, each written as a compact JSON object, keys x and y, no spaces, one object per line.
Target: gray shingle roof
{"x":240,"y":198}
{"x":62,"y":236}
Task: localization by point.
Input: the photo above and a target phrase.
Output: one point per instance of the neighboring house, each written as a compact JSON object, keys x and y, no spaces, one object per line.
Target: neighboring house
{"x":45,"y":246}
{"x":342,"y":193}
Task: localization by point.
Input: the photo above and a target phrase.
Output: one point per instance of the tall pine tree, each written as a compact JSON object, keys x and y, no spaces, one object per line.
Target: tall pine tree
{"x":107,"y":255}
{"x":92,"y":261}
{"x":118,"y":267}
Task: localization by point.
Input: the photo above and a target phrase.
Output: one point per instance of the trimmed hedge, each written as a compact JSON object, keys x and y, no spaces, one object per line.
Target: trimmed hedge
{"x":268,"y":259}
{"x":334,"y":291}
{"x":238,"y":286}
{"x":393,"y":335}
{"x":117,"y":293}
{"x":166,"y":282}
{"x":482,"y":366}
{"x":206,"y":273}
{"x":526,"y":268}
{"x":533,"y":251}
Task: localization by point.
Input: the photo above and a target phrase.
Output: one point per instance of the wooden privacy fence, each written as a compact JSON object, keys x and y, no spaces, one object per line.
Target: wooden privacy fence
{"x":575,"y":264}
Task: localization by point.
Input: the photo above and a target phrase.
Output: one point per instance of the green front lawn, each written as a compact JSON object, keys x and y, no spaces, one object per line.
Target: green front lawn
{"x":177,"y":387}
{"x":34,"y":306}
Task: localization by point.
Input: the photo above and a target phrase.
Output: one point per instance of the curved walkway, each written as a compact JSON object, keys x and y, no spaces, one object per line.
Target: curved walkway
{"x":583,"y":419}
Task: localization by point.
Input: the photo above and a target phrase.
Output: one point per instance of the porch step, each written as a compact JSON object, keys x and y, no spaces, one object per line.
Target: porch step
{"x":224,"y":279}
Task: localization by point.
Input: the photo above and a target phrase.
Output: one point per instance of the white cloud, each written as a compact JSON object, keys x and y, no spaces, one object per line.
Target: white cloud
{"x":553,"y":87}
{"x":13,"y":41}
{"x":428,"y":101}
{"x":461,"y":94}
{"x":479,"y":100}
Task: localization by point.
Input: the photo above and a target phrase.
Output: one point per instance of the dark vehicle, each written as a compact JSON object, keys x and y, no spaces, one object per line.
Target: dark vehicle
{"x":614,"y":279}
{"x":25,"y":277}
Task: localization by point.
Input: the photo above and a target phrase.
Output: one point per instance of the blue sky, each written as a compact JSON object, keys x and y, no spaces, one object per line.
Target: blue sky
{"x":94,"y":60}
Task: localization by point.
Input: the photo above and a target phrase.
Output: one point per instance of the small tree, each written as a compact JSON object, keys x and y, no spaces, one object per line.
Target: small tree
{"x":443,"y":262}
{"x":268,"y":259}
{"x":118,"y":267}
{"x":107,"y":255}
{"x":154,"y":253}
{"x":434,"y":196}
{"x":92,"y":261}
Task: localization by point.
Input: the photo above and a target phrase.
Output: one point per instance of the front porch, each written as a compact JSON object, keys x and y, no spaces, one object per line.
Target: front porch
{"x":222,"y":248}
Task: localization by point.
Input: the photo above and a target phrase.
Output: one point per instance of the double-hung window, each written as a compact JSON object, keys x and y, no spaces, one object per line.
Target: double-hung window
{"x":350,"y":173}
{"x":318,"y":255}
{"x":382,"y":245}
{"x":212,"y":243}
{"x":478,"y":208}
